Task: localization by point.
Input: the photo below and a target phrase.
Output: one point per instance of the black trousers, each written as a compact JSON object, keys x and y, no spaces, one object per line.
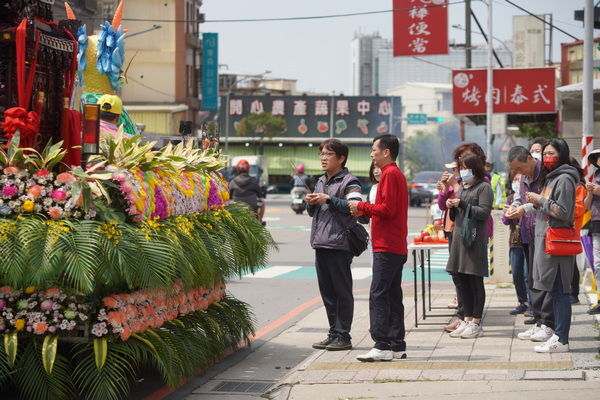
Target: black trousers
{"x":472,"y":294}
{"x":335,"y":284}
{"x":386,"y":310}
{"x":460,"y":310}
{"x":541,"y":301}
{"x":575,"y":283}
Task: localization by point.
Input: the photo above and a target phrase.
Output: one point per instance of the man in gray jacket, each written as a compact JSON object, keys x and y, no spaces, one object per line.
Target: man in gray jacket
{"x":327,"y":237}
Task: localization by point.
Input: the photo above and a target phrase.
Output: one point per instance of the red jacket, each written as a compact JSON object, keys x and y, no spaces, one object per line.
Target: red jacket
{"x":389,"y":214}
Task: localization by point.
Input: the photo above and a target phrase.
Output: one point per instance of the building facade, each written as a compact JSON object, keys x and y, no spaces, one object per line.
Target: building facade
{"x":163,"y":64}
{"x":571,"y":64}
{"x":375,"y":70}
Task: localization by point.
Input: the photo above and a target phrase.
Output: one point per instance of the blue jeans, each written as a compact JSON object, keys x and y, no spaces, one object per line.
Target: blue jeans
{"x":518,"y":263}
{"x":562,"y":310}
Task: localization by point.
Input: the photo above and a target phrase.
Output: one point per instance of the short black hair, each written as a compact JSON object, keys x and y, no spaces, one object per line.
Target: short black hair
{"x":564,"y":154}
{"x":474,"y":163}
{"x":389,"y":142}
{"x":542,"y":141}
{"x":518,"y":153}
{"x":339,"y":148}
{"x":108,"y":116}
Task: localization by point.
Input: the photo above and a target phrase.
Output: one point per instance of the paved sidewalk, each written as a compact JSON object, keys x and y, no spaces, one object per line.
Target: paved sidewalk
{"x":497,"y":365}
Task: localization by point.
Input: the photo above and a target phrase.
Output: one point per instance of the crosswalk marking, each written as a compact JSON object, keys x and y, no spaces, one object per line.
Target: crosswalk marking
{"x":272,"y":272}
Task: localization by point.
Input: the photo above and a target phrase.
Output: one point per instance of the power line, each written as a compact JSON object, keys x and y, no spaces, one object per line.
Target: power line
{"x":541,"y":19}
{"x":275,"y":19}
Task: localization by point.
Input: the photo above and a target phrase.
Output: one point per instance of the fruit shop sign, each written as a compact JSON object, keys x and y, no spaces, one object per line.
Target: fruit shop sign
{"x":516,"y":91}
{"x":319,"y":116}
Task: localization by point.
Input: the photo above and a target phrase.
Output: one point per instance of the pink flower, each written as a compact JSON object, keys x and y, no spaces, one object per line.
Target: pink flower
{"x":11,"y":170}
{"x":9,"y":190}
{"x":40,"y":327}
{"x":35,"y":191}
{"x":55,"y":213}
{"x":47,"y":305}
{"x":42,"y":172}
{"x":65,"y":177}
{"x":59,"y":195}
{"x":2,"y":304}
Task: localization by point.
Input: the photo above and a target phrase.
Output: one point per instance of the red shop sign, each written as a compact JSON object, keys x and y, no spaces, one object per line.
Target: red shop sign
{"x":516,"y":91}
{"x":422,"y":28}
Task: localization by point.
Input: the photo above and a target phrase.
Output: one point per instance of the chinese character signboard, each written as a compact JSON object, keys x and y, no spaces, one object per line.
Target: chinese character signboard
{"x":416,"y":119}
{"x":210,"y":71}
{"x":311,"y":116}
{"x":516,"y":91}
{"x":421,"y":27}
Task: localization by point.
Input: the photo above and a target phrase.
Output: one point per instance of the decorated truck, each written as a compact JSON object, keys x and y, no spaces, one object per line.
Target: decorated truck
{"x":115,"y":264}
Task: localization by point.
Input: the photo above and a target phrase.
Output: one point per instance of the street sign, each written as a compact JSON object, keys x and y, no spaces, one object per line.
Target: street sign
{"x":210,"y":71}
{"x":416,"y":119}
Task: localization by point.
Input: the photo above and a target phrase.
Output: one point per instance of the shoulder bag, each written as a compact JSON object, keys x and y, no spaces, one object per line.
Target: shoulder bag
{"x":357,"y":235}
{"x":468,"y":230}
{"x":562,"y":241}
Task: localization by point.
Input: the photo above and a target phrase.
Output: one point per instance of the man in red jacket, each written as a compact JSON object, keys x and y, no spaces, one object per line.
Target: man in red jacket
{"x":389,"y":231}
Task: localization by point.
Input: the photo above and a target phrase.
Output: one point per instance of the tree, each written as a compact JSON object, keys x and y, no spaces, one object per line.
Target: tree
{"x":259,"y":126}
{"x":424,"y":152}
{"x":544,"y":129}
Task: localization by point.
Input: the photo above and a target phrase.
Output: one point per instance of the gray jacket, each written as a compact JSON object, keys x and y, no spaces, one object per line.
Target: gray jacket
{"x":472,"y":260}
{"x":244,"y":188}
{"x":326,"y":232}
{"x":556,"y":211}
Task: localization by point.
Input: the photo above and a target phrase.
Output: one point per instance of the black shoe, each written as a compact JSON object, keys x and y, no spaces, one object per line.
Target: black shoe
{"x":594,"y":310}
{"x":339,"y":343}
{"x":530,"y":321}
{"x":520,"y":309}
{"x":323,"y":343}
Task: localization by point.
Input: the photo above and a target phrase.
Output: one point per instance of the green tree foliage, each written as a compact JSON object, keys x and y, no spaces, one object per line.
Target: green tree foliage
{"x":424,"y":153}
{"x":543,"y":129}
{"x":260,"y":126}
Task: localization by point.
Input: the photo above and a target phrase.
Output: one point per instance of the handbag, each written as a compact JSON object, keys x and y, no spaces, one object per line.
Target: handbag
{"x":357,"y":235}
{"x":468,"y":230}
{"x":562,"y":241}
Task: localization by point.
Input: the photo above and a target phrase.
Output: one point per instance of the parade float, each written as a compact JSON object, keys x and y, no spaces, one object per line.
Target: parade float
{"x":116,"y":264}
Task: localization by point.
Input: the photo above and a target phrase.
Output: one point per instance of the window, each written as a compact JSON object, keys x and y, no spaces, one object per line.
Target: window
{"x":108,"y":10}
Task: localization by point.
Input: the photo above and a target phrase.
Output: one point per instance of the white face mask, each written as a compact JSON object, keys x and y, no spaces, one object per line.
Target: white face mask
{"x":515,"y":187}
{"x":537,"y":156}
{"x":466,"y":175}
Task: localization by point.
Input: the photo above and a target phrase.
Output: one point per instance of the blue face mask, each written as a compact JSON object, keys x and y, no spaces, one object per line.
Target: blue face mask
{"x":466,"y":175}
{"x":537,"y":156}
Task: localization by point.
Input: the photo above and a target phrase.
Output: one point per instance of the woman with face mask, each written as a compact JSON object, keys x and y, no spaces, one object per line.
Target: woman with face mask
{"x":468,"y":261}
{"x":555,"y":207}
{"x":516,"y":255}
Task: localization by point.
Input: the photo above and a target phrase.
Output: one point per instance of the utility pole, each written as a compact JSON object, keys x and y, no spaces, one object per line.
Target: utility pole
{"x":468,"y":62}
{"x":490,"y":87}
{"x":588,"y":90}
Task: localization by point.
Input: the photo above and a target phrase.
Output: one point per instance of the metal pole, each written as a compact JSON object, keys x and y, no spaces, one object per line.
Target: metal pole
{"x":227,"y":122}
{"x":490,"y":87}
{"x":468,"y":34}
{"x":588,"y":90}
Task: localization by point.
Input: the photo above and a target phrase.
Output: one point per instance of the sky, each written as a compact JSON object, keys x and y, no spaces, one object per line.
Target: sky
{"x":318,"y":52}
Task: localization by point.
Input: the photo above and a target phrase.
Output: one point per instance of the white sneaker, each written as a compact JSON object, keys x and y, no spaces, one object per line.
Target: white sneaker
{"x":542,"y":334}
{"x":458,"y":331}
{"x":528,"y":333}
{"x":552,"y":345}
{"x":399,"y":355}
{"x":376,"y":355}
{"x":472,"y":331}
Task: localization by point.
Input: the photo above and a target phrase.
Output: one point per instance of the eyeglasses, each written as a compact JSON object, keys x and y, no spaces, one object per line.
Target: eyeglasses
{"x":327,"y":154}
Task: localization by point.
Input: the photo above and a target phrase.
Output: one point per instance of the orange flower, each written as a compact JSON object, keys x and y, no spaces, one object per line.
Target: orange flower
{"x":40,"y":328}
{"x":35,"y":191}
{"x":5,"y":289}
{"x":30,"y":289}
{"x":55,"y":213}
{"x":110,"y":302}
{"x":114,"y":318}
{"x":65,"y":177}
{"x":52,"y":291}
{"x":11,"y":170}
{"x":126,"y":334}
{"x":20,"y":324}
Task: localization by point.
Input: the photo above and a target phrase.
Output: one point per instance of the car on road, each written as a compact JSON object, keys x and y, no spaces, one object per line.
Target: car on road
{"x":422,"y":188}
